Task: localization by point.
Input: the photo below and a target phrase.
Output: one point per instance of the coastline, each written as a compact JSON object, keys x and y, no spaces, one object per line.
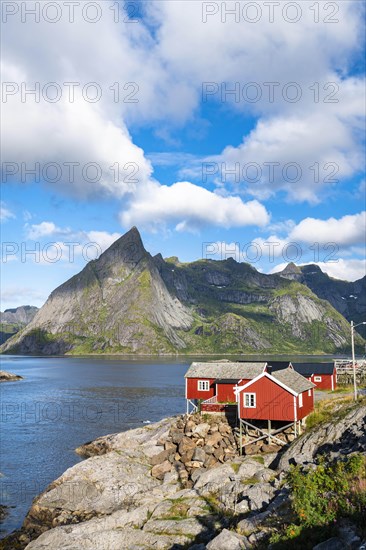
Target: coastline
{"x":131,"y":492}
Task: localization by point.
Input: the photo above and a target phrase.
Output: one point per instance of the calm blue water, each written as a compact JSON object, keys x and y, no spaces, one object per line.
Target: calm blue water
{"x":64,"y":402}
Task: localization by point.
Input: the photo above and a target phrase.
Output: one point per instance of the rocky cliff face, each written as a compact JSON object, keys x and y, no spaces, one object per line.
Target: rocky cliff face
{"x":22,"y":315}
{"x":349,"y":298}
{"x":13,"y":320}
{"x":130,"y":302}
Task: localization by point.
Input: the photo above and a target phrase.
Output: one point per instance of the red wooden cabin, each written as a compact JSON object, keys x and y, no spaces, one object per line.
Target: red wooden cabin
{"x":284,"y":395}
{"x":215,"y":382}
{"x":323,"y":375}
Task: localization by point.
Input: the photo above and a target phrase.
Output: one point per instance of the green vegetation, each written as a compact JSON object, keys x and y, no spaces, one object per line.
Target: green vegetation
{"x":332,"y":409}
{"x":320,"y":497}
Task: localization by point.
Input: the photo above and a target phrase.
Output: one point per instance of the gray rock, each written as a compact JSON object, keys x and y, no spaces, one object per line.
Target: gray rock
{"x":260,"y":495}
{"x":331,"y":544}
{"x":199,"y":455}
{"x":227,"y":540}
{"x":213,"y":479}
{"x":202,"y":429}
{"x":346,"y":435}
{"x":9,"y":376}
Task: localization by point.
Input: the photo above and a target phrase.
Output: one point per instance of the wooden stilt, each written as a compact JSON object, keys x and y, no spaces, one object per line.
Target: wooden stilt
{"x":269,"y":432}
{"x":241,"y":438}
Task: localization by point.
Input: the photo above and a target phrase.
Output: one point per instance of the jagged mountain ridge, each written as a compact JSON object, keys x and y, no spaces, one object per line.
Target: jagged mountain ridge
{"x":12,"y":320}
{"x":347,"y":297}
{"x":127,"y":301}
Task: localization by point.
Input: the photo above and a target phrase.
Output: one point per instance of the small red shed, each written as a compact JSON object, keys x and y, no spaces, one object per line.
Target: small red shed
{"x":323,"y":375}
{"x":284,"y":395}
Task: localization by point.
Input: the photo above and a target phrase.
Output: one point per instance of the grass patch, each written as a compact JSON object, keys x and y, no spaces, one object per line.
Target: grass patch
{"x":235,"y":466}
{"x":329,"y":409}
{"x":258,"y":458}
{"x":249,"y":480}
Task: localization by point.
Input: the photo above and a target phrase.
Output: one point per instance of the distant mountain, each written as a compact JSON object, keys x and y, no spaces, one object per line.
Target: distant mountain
{"x":127,"y":301}
{"x":13,"y":320}
{"x":349,"y":298}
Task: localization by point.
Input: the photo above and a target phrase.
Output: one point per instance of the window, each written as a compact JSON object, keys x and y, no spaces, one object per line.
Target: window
{"x":203,"y":385}
{"x":317,"y":378}
{"x":300,"y":400}
{"x":250,"y":400}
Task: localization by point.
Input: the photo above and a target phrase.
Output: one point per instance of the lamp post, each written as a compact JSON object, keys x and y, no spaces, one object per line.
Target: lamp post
{"x":353,"y":326}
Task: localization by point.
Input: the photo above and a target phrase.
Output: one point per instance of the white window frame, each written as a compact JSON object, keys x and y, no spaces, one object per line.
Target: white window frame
{"x":203,"y":385}
{"x":252,"y":397}
{"x":317,"y":378}
{"x":300,"y":400}
{"x":309,"y":393}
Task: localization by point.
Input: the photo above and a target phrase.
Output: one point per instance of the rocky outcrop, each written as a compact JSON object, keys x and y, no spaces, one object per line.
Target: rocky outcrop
{"x":9,"y":376}
{"x":339,"y":437}
{"x":162,"y":487}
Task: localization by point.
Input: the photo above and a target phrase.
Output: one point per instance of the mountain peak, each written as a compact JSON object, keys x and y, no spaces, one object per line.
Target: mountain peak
{"x":127,"y":249}
{"x":292,"y":268}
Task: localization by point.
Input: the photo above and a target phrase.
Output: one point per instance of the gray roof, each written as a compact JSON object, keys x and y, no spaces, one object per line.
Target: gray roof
{"x":226,"y":370}
{"x":306,"y":369}
{"x":293,"y":380}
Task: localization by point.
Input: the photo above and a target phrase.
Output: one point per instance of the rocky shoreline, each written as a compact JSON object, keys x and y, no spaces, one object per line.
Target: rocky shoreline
{"x":178,"y":484}
{"x":9,"y":376}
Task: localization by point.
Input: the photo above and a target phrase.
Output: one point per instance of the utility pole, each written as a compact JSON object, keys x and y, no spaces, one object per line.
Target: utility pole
{"x":353,"y":326}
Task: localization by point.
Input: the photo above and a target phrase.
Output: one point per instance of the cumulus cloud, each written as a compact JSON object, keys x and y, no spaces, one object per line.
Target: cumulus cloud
{"x":44,"y":229}
{"x":346,"y":270}
{"x":5,"y":213}
{"x":190,"y":207}
{"x":345,"y":231}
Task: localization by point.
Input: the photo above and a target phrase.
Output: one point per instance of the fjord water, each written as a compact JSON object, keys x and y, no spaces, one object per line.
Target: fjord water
{"x":66,"y":401}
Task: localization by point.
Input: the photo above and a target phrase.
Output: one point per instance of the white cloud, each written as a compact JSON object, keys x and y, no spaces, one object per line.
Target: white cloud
{"x":272,"y":247}
{"x":102,"y":238}
{"x":15,"y":296}
{"x":348,"y":230}
{"x":44,"y":229}
{"x":190,"y":207}
{"x":346,"y":270}
{"x":5,"y":213}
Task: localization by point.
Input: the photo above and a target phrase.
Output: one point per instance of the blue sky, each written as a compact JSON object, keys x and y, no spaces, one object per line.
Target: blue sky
{"x":237,"y":135}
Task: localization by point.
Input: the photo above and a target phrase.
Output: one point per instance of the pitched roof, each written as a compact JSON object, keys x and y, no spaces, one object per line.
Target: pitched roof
{"x":277,"y":365}
{"x":228,"y":370}
{"x":293,"y":380}
{"x":307,"y":369}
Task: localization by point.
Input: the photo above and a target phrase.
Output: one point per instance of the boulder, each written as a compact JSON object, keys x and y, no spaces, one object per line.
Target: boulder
{"x":260,"y":495}
{"x":185,"y":445}
{"x":199,"y":455}
{"x":213,"y":439}
{"x":160,"y":470}
{"x":251,"y":524}
{"x":160,"y":457}
{"x":228,"y":540}
{"x":201,"y":429}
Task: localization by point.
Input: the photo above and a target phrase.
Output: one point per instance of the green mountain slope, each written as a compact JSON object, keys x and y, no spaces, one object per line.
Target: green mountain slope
{"x":130,"y":302}
{"x":347,"y":297}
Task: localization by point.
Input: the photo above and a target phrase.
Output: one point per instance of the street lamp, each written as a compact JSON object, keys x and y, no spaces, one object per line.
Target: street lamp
{"x":353,"y":326}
